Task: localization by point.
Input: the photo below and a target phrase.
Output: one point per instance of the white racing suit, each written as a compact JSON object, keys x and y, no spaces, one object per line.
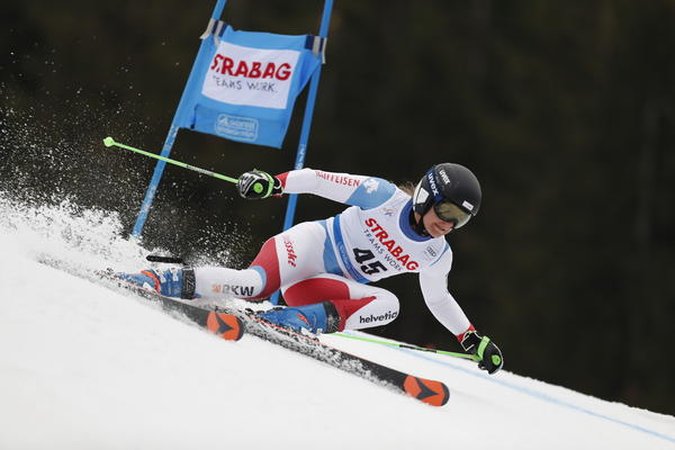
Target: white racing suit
{"x":334,"y":259}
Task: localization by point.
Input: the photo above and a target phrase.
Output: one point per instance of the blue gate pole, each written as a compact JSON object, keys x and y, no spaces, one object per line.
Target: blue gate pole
{"x":168,"y":142}
{"x":306,"y":127}
{"x":309,"y":112}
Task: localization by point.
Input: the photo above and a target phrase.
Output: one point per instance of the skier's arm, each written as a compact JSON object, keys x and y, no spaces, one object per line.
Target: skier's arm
{"x":362,"y":191}
{"x":447,"y":311}
{"x":444,"y":307}
{"x":365,"y":192}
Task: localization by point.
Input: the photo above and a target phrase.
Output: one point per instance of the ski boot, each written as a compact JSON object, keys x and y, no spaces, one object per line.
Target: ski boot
{"x":172,"y":282}
{"x":315,"y":318}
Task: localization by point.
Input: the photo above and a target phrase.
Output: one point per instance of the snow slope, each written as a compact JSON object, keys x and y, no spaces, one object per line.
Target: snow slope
{"x":85,"y":367}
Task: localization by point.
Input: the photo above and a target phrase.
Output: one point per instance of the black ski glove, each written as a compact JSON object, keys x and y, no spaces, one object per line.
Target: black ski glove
{"x":489,"y":356}
{"x":257,"y":184}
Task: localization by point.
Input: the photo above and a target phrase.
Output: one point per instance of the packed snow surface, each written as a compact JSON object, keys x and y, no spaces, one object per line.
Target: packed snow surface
{"x":84,"y":367}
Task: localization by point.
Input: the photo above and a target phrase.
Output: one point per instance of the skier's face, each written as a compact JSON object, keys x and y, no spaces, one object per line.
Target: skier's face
{"x":435,"y":226}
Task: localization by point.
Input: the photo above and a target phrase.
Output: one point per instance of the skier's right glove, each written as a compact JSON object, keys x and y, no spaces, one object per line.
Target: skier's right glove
{"x":489,"y":356}
{"x":257,"y":184}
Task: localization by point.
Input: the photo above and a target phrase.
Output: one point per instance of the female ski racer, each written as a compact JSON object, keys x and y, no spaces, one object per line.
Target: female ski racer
{"x":323,"y":268}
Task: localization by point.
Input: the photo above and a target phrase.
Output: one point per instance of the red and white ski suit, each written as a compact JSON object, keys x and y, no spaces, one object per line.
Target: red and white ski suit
{"x":334,"y":259}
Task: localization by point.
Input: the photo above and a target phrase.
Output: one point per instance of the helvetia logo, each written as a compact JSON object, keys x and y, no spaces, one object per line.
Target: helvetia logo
{"x":386,"y":317}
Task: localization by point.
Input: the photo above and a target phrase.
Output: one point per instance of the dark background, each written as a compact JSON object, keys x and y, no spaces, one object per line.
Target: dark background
{"x":564,"y":110}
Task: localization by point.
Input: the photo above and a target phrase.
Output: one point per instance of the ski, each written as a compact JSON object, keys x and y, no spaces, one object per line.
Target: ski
{"x":232,"y":324}
{"x":224,"y":324}
{"x":431,"y":392}
{"x":227,"y":325}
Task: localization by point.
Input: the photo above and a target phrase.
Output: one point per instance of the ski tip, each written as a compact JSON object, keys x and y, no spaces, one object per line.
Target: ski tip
{"x":227,"y":326}
{"x":434,"y":393}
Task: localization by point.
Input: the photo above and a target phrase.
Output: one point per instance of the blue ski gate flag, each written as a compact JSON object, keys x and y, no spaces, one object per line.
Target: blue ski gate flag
{"x":243,"y":86}
{"x":246,"y":83}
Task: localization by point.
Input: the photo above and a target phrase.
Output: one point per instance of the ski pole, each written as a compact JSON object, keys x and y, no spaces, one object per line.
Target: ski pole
{"x":110,"y":142}
{"x":165,"y":259}
{"x":405,"y":346}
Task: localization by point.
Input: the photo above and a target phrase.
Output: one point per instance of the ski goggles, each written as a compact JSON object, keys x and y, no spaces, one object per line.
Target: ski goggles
{"x":449,"y":212}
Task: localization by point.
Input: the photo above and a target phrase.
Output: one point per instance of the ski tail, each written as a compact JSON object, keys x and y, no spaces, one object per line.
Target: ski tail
{"x":431,"y":392}
{"x":227,"y":326}
{"x":224,"y":324}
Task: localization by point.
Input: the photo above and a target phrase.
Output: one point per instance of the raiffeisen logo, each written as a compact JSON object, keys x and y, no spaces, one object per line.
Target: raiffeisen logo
{"x":338,"y":178}
{"x":226,"y":65}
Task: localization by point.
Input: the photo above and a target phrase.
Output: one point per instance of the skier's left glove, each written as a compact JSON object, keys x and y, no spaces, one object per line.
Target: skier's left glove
{"x":488,"y":355}
{"x":257,"y":184}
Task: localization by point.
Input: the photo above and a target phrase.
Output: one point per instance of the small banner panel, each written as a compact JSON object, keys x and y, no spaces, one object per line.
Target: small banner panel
{"x":244,"y":84}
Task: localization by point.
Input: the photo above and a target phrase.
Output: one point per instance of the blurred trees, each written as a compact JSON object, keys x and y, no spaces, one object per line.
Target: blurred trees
{"x":564,"y":110}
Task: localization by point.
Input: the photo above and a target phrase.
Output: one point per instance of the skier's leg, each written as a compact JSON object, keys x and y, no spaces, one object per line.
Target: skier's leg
{"x":331,"y":303}
{"x":285,"y":258}
{"x":256,"y":282}
{"x":200,"y":282}
{"x":292,"y":255}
